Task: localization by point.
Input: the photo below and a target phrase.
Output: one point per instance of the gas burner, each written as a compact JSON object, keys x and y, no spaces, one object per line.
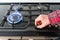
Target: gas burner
{"x":15,"y":17}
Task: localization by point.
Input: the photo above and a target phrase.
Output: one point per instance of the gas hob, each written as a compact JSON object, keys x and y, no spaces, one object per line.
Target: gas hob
{"x":18,"y":19}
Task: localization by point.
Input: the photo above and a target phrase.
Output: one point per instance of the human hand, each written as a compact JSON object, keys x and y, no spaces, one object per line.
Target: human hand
{"x":42,"y":21}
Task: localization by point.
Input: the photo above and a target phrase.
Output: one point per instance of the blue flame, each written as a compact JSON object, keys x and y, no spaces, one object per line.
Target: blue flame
{"x":15,"y":17}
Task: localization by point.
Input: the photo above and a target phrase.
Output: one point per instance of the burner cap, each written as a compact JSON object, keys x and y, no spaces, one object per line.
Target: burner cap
{"x":15,"y":17}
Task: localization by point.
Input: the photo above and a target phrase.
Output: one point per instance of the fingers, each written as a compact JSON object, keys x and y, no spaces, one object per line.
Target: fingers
{"x":42,"y":21}
{"x":39,"y":24}
{"x":38,"y":21}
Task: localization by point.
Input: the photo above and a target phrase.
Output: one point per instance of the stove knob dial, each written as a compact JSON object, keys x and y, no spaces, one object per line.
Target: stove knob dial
{"x":56,"y":25}
{"x":49,"y":25}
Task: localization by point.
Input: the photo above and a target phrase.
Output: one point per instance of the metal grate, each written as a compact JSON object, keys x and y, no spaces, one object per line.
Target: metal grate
{"x":29,"y":12}
{"x":27,"y":27}
{"x":29,"y":15}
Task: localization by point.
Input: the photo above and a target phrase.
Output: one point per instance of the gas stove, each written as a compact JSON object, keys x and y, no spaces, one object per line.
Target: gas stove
{"x":17,"y":19}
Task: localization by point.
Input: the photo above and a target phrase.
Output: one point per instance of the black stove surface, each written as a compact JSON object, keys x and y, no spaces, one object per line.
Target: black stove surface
{"x":26,"y":27}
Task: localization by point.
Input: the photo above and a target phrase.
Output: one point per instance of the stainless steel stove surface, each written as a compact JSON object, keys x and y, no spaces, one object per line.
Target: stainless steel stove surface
{"x":18,"y":19}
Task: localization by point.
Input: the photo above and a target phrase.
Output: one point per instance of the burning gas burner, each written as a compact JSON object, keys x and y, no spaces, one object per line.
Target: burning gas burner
{"x":19,"y":19}
{"x":15,"y":17}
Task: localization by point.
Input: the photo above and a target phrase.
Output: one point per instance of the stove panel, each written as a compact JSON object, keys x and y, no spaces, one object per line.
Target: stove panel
{"x":29,"y":11}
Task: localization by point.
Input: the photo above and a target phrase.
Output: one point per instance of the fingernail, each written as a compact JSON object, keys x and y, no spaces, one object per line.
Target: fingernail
{"x":38,"y":23}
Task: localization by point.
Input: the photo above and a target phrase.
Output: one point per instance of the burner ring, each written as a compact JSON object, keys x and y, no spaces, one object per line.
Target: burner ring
{"x":15,"y":17}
